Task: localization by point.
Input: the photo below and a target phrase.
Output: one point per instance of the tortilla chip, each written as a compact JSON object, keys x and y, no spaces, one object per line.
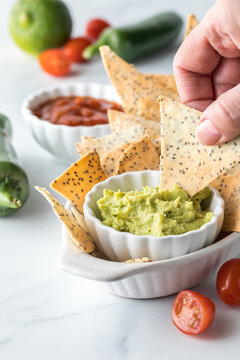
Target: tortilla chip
{"x":192,"y":22}
{"x":138,"y":92}
{"x":103,"y":145}
{"x":138,"y":260}
{"x":183,"y":159}
{"x":140,"y":155}
{"x":157,"y":144}
{"x":79,"y":218}
{"x":228,"y":187}
{"x":110,"y":161}
{"x":79,"y":179}
{"x":120,"y":121}
{"x":78,"y":234}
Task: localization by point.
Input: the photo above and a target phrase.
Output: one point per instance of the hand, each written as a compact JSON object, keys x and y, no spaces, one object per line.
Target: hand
{"x":207,"y":71}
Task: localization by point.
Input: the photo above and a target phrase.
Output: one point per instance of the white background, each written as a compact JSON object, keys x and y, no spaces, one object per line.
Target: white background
{"x":45,"y":313}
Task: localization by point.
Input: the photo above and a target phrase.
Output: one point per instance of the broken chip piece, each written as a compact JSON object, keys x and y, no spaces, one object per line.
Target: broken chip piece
{"x":138,"y":260}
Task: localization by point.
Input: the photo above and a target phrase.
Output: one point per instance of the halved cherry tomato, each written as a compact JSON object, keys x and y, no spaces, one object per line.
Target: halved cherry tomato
{"x":95,"y":27}
{"x":228,"y":282}
{"x":192,"y":313}
{"x":55,"y":62}
{"x":74,"y":48}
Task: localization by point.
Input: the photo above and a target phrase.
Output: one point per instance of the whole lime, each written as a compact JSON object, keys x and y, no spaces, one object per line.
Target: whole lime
{"x":37,"y":25}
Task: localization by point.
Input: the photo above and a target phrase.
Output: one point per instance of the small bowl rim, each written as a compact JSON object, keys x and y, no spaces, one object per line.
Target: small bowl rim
{"x":27,"y":112}
{"x":88,"y":212}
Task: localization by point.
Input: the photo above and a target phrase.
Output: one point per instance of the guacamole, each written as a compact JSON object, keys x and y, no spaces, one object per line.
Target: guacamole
{"x":154,"y":212}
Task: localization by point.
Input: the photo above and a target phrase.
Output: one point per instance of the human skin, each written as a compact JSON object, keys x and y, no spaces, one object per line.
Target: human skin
{"x":207,"y":72}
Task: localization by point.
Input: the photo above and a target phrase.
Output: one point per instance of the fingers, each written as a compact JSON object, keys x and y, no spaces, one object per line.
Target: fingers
{"x":220,"y":122}
{"x":226,"y":75}
{"x":194,"y":62}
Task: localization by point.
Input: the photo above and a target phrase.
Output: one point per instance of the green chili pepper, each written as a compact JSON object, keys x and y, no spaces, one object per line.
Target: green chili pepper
{"x":136,"y":41}
{"x":14,"y":186}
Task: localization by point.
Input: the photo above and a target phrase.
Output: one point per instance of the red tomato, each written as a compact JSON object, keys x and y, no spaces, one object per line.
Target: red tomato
{"x":95,"y":27}
{"x":228,"y":282}
{"x":192,"y":313}
{"x":74,"y":48}
{"x":55,"y":62}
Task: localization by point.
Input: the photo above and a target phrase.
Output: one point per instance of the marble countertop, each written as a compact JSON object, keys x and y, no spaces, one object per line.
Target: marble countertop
{"x":44,"y":312}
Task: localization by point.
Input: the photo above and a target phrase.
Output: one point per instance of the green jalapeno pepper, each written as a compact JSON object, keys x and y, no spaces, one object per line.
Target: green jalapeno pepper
{"x":14,"y":186}
{"x":134,"y":42}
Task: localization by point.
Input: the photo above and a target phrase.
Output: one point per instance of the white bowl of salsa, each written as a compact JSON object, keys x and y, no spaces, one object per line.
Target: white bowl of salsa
{"x":59,"y":116}
{"x":123,"y":245}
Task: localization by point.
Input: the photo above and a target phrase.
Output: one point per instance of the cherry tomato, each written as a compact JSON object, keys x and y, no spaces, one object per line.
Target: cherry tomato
{"x":228,"y":282}
{"x":192,"y":313}
{"x":55,"y":62}
{"x":95,"y":27}
{"x":74,"y":48}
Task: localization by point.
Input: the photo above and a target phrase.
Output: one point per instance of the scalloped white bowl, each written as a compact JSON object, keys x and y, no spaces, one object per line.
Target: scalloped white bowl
{"x":59,"y":140}
{"x":120,"y":246}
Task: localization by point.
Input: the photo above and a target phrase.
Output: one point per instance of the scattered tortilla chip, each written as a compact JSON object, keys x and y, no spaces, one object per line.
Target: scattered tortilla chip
{"x":79,"y":179}
{"x":228,"y":187}
{"x":183,"y":159}
{"x":138,"y":92}
{"x":140,"y":155}
{"x":79,"y":218}
{"x":138,"y":260}
{"x":192,"y":22}
{"x":79,"y":236}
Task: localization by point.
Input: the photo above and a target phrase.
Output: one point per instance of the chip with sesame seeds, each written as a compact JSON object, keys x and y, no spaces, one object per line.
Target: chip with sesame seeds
{"x":81,"y":238}
{"x":79,"y":179}
{"x":110,"y":147}
{"x":138,"y":92}
{"x":228,"y":187}
{"x":192,"y":22}
{"x":183,"y":159}
{"x":119,"y":121}
{"x":140,"y":155}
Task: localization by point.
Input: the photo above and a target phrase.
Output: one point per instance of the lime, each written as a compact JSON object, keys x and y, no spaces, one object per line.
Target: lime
{"x":37,"y":25}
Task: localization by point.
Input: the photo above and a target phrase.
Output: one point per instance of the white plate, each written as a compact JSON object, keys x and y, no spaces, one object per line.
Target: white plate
{"x":149,"y":280}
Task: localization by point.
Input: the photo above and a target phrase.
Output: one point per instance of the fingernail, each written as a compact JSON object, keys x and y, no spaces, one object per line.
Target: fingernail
{"x":206,"y":133}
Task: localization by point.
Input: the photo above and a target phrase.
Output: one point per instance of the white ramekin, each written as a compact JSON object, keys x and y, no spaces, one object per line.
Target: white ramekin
{"x":59,"y":140}
{"x":149,"y":280}
{"x":120,"y":246}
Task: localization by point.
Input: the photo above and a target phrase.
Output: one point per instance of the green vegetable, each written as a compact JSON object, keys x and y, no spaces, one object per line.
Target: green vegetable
{"x":14,"y":186}
{"x":139,"y":40}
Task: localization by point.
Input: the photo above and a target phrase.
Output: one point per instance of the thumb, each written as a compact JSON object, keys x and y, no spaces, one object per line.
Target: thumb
{"x":220,"y":122}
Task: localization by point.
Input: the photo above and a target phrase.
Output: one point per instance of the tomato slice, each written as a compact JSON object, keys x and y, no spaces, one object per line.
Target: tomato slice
{"x":192,"y":313}
{"x":74,"y":48}
{"x":95,"y":27}
{"x":228,"y":282}
{"x":55,"y":62}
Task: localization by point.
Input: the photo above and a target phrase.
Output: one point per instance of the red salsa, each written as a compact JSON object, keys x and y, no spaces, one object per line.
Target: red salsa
{"x":76,"y":110}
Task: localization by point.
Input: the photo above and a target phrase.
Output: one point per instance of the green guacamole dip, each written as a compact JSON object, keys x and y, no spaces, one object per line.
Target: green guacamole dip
{"x":154,"y":212}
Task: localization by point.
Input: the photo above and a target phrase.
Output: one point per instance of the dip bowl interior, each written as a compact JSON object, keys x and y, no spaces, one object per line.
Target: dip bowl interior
{"x":59,"y":140}
{"x":121,"y":246}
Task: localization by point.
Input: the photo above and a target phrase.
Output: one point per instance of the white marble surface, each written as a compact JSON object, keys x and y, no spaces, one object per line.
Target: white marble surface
{"x":45,"y":313}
